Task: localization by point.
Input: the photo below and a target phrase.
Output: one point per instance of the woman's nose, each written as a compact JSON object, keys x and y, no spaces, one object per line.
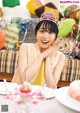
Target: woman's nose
{"x":46,"y":35}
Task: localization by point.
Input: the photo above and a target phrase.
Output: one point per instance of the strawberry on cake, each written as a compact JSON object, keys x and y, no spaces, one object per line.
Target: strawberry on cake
{"x":74,"y":90}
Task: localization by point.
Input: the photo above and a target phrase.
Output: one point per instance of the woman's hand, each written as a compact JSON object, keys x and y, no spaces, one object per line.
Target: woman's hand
{"x":52,"y":49}
{"x":56,"y":47}
{"x":52,"y":74}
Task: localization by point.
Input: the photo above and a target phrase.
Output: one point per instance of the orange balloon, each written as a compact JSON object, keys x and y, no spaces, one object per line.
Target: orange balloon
{"x":2,"y":39}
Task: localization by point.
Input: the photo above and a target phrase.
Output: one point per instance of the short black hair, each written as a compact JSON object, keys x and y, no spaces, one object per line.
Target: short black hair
{"x":47,"y":25}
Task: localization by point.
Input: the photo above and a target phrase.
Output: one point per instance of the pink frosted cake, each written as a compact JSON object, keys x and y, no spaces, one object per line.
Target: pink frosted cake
{"x":74,"y":90}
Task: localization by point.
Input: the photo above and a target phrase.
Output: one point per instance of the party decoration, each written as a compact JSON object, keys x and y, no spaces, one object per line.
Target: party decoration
{"x":53,"y":11}
{"x":1,"y":13}
{"x":75,"y":30}
{"x":69,"y":9}
{"x":74,"y":14}
{"x":78,"y":15}
{"x":26,"y":24}
{"x":65,"y":27}
{"x":78,"y":34}
{"x":32,"y":5}
{"x":12,"y":35}
{"x":10,"y":3}
{"x":2,"y":39}
{"x":66,"y":46}
{"x":50,"y":7}
{"x":76,"y":51}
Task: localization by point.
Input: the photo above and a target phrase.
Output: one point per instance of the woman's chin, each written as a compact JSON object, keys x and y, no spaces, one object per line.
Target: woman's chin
{"x":44,"y":47}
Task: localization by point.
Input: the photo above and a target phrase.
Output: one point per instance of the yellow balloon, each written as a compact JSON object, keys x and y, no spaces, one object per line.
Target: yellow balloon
{"x":32,"y":5}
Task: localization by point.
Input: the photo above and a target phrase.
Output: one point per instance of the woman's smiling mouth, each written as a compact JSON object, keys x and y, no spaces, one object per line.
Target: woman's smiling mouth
{"x":45,"y":41}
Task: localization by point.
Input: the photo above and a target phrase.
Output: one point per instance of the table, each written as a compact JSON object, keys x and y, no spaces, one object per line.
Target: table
{"x":46,"y":106}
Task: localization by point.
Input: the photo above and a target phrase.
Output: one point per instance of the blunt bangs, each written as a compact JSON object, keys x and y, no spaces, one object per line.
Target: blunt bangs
{"x":48,"y":26}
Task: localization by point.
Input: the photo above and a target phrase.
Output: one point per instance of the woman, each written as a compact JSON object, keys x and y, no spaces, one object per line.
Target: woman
{"x":41,"y":62}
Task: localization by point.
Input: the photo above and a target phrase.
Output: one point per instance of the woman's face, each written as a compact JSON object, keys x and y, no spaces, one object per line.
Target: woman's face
{"x":45,"y":38}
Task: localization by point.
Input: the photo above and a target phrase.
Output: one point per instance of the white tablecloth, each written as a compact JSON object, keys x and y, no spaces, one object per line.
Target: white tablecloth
{"x":46,"y":106}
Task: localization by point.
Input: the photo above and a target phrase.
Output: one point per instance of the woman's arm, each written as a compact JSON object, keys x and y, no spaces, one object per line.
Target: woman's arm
{"x":25,"y":72}
{"x":28,"y":73}
{"x":52,"y":77}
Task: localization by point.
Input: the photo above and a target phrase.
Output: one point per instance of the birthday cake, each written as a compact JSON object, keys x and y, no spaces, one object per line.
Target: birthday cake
{"x":25,"y":87}
{"x":74,"y":90}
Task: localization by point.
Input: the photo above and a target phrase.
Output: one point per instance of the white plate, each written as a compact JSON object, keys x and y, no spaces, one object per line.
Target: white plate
{"x":11,"y":87}
{"x":62,"y":96}
{"x":47,"y":92}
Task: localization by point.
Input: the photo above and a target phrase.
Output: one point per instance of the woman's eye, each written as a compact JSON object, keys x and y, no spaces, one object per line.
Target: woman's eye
{"x":50,"y":32}
{"x":42,"y":31}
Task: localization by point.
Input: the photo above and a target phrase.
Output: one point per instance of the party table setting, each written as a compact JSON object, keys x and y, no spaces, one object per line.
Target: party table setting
{"x":27,"y":98}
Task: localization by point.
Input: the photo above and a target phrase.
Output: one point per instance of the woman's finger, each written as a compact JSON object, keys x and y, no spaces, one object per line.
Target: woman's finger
{"x":56,"y":47}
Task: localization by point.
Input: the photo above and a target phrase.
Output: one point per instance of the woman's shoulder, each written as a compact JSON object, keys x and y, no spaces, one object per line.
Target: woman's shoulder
{"x":25,"y":45}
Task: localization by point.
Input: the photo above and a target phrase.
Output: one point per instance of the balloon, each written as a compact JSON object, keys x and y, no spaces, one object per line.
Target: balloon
{"x":10,"y":3}
{"x":32,"y":5}
{"x":65,"y":27}
{"x":2,"y":39}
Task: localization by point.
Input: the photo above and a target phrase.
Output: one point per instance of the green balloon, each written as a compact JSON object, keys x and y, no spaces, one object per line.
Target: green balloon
{"x":65,"y":27}
{"x":10,"y":3}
